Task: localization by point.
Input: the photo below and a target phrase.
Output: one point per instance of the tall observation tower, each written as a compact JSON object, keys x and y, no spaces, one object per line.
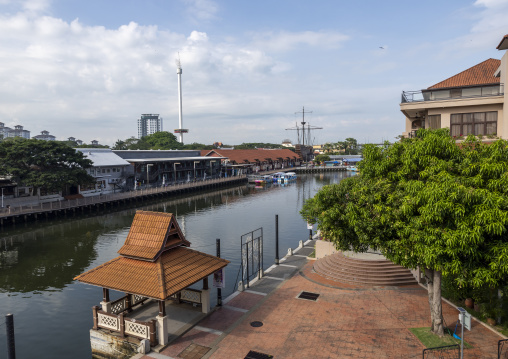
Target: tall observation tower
{"x":180,"y":130}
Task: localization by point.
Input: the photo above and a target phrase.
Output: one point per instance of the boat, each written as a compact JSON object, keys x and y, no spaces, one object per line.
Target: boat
{"x":284,"y":177}
{"x":260,"y":179}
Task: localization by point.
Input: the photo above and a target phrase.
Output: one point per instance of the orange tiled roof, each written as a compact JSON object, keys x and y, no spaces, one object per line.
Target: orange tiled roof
{"x":173,"y":271}
{"x":150,"y":234}
{"x":481,"y":74}
{"x":503,"y":45}
{"x":252,"y":156}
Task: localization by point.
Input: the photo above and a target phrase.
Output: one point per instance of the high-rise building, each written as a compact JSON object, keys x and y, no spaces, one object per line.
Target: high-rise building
{"x":148,"y":124}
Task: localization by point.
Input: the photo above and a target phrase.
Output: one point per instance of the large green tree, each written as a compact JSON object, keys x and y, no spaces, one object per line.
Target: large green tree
{"x":425,"y":202}
{"x":51,"y":165}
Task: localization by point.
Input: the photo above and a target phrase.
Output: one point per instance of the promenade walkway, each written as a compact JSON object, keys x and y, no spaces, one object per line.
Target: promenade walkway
{"x":345,"y":321}
{"x":29,"y":208}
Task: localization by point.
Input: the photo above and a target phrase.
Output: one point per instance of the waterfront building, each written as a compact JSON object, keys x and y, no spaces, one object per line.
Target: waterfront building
{"x":155,"y":269}
{"x":287,"y":143}
{"x":109,"y":170}
{"x":169,"y":166}
{"x":470,"y":102}
{"x":149,"y":124}
{"x":45,"y":136}
{"x":237,"y":162}
{"x":18,"y":131}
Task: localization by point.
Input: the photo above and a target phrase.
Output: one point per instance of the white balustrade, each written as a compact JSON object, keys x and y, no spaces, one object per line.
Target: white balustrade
{"x":109,"y":322}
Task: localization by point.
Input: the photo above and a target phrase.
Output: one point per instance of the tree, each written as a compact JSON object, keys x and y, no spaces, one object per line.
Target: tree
{"x":321,"y":158}
{"x":51,"y":165}
{"x":351,"y":145}
{"x":425,"y":202}
{"x":162,"y":140}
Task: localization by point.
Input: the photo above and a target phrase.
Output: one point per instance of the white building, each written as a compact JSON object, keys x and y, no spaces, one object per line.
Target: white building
{"x":18,"y":131}
{"x":149,"y":124}
{"x":45,"y":136}
{"x":109,"y":170}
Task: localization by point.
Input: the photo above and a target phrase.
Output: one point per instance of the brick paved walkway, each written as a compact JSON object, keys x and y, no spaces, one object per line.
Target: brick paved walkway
{"x":346,"y":321}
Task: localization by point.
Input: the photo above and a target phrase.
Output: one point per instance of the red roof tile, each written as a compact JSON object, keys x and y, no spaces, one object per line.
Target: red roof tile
{"x":173,"y":271}
{"x":481,"y":74}
{"x":150,"y":234}
{"x":252,"y":156}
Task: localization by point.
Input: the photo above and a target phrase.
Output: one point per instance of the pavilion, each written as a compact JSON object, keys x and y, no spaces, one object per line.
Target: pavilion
{"x":155,"y":264}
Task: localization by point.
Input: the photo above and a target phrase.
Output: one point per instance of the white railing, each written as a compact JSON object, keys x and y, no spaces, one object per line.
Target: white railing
{"x":137,"y":329}
{"x":108,"y":321}
{"x":125,"y":326}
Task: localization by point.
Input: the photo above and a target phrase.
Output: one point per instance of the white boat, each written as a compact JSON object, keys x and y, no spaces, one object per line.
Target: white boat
{"x":284,"y":177}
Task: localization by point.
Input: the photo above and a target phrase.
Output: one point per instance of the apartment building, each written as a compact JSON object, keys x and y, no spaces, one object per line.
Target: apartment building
{"x":470,"y":102}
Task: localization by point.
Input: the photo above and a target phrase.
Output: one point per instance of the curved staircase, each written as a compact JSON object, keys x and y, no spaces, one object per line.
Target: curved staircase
{"x":371,"y":272}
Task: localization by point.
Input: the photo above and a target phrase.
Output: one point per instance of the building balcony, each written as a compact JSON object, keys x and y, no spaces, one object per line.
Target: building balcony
{"x":452,"y":93}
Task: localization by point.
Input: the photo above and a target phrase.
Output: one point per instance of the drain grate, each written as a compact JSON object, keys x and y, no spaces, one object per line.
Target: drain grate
{"x":256,"y":324}
{"x":256,"y":355}
{"x":308,"y":296}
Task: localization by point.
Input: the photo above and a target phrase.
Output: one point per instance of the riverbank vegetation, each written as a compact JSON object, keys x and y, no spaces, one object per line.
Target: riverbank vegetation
{"x":425,"y":202}
{"x":48,"y":165}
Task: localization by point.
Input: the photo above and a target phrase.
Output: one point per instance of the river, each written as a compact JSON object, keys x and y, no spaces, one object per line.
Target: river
{"x":38,"y":261}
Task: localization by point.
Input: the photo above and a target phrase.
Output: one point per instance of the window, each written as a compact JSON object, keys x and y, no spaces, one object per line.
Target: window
{"x":434,"y":121}
{"x":476,"y":123}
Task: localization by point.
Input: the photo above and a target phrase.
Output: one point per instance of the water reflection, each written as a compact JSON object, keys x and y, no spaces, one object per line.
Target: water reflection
{"x":39,"y":261}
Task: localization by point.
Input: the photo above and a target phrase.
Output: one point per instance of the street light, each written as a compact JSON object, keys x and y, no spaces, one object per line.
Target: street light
{"x":195,"y":169}
{"x":147,"y":170}
{"x":174,"y":169}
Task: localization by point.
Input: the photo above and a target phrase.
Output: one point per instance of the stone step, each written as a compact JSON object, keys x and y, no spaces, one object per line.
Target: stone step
{"x":363,"y":271}
{"x":322,"y":267}
{"x":353,"y":266}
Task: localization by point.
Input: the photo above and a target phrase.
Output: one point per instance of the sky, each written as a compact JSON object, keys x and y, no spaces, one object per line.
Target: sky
{"x":89,"y":69}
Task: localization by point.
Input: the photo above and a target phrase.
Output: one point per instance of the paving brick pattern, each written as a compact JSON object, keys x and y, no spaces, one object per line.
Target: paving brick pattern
{"x":346,"y":321}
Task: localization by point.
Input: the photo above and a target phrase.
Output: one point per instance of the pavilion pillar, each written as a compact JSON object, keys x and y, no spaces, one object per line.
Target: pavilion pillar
{"x":106,"y":303}
{"x":205,"y":297}
{"x":128,"y":302}
{"x":162,"y":324}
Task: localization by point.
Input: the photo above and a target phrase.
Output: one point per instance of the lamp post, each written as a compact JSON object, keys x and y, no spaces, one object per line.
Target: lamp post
{"x":148,"y":165}
{"x":174,"y":169}
{"x":195,"y":169}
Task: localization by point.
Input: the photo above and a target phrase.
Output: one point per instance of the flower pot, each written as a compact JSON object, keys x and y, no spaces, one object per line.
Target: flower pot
{"x":469,"y":303}
{"x":491,"y":321}
{"x":476,"y":307}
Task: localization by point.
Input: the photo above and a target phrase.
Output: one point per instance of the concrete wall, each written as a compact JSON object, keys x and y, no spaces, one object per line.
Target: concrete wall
{"x":324,"y":248}
{"x":106,"y":346}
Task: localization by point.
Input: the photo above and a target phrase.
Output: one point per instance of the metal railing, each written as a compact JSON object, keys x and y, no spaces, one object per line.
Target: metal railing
{"x":105,"y":198}
{"x":439,"y":95}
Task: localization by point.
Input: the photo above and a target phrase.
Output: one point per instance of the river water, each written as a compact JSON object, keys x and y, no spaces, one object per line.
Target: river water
{"x":38,"y":261}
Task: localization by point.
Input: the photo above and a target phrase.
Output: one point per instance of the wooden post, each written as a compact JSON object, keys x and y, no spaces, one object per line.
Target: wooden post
{"x":9,"y":328}
{"x":122,"y":325}
{"x":95,"y":310}
{"x":153,"y":332}
{"x":162,"y":308}
{"x":128,"y":302}
{"x":105,"y":294}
